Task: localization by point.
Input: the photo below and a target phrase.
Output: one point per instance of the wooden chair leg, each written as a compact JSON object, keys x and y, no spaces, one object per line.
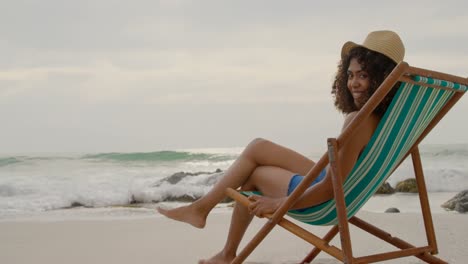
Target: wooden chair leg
{"x":424,"y":200}
{"x":395,"y":241}
{"x":315,"y":251}
{"x":340,"y":201}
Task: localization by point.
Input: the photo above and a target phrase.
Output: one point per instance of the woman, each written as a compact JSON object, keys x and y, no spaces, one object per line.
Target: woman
{"x":275,"y":170}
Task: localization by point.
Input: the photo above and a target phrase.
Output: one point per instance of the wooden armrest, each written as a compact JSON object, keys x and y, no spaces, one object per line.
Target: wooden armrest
{"x":238,"y":197}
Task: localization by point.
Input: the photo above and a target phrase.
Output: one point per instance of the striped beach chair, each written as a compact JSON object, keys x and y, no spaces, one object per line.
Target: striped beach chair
{"x":421,"y":101}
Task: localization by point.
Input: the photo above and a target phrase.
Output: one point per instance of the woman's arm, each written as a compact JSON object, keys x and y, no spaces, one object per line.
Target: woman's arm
{"x":348,"y":155}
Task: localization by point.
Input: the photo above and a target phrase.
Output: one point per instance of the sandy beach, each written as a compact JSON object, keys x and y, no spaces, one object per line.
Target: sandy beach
{"x":154,"y":239}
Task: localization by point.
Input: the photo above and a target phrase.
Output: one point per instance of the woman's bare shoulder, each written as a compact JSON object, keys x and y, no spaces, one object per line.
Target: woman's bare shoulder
{"x":370,"y":122}
{"x":366,"y":129}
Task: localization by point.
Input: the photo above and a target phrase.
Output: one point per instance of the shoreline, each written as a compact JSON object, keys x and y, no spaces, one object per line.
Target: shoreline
{"x":405,"y":202}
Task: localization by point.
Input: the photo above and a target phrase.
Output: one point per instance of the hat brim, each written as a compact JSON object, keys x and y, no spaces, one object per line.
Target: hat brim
{"x":385,"y":42}
{"x":347,"y":47}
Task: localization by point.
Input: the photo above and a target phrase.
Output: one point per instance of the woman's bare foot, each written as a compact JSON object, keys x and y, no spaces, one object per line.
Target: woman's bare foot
{"x":185,"y":214}
{"x":219,"y":258}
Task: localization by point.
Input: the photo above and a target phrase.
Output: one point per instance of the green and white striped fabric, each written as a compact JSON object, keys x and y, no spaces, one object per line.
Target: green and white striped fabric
{"x":411,"y":111}
{"x":409,"y":114}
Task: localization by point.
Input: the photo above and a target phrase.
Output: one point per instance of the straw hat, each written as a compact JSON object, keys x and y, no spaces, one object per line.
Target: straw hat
{"x":385,"y":42}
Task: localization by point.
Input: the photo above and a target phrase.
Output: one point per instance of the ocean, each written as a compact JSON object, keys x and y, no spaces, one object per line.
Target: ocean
{"x":37,"y":184}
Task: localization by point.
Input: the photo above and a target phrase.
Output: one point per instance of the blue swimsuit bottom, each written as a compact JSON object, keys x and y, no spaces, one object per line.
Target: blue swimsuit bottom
{"x":296,"y":179}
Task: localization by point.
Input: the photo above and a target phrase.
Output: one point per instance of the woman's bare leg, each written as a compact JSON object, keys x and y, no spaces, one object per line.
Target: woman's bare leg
{"x":258,"y":153}
{"x":273,"y":182}
{"x":240,"y":220}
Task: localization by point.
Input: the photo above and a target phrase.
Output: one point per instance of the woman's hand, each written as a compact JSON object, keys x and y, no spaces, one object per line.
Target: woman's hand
{"x":262,"y":205}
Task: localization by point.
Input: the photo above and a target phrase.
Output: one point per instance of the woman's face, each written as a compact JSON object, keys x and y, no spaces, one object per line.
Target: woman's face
{"x":358,"y":83}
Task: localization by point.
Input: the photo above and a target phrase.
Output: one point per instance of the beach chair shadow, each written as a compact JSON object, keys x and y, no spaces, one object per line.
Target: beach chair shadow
{"x":421,"y":101}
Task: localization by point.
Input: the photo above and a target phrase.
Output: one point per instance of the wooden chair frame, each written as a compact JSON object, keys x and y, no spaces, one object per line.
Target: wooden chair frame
{"x":402,"y":72}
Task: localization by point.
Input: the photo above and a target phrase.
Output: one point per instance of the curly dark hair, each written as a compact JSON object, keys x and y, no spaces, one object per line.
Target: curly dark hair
{"x":377,"y":65}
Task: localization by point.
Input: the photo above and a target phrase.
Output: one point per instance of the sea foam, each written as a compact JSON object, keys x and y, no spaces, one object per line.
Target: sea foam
{"x":35,"y":183}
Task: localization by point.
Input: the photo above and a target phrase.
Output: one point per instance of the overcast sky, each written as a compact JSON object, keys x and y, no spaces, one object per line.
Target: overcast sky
{"x":100,"y":76}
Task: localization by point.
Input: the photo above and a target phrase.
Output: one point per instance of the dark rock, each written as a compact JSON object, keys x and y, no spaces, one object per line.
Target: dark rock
{"x":183,"y":198}
{"x":208,"y":179}
{"x":408,"y":185}
{"x":392,"y":210}
{"x":458,"y":203}
{"x":462,"y":206}
{"x":76,"y":204}
{"x":213,"y":178}
{"x":178,"y":176}
{"x":386,"y":188}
